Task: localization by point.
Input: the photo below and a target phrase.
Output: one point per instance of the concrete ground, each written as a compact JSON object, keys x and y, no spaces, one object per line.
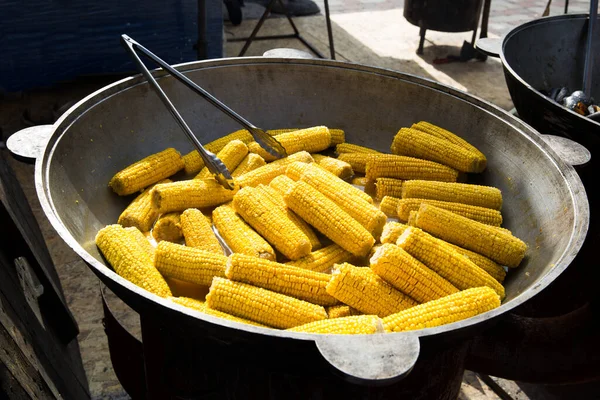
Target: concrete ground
{"x":370,"y":32}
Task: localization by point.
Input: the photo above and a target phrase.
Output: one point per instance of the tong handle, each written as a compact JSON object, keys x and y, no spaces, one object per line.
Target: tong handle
{"x":220,"y":171}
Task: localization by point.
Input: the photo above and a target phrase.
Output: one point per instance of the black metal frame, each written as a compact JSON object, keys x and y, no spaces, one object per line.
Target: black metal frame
{"x":295,"y":35}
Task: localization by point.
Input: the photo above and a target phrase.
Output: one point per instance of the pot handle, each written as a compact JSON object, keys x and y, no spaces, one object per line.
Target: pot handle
{"x":490,"y":46}
{"x":377,"y":359}
{"x":568,"y":150}
{"x":29,"y":143}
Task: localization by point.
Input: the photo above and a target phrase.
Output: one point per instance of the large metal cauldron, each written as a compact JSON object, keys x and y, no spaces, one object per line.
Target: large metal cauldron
{"x":545,"y":203}
{"x":547,"y":53}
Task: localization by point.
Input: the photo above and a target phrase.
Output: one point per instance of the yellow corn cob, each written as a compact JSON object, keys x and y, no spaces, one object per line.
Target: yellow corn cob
{"x":249,"y":163}
{"x":354,"y":148}
{"x":490,"y":241}
{"x":407,"y":274}
{"x":412,"y":218}
{"x":388,"y":187}
{"x":282,"y":184}
{"x":140,"y":212}
{"x":195,"y":193}
{"x":495,"y":270}
{"x":344,"y":195}
{"x":146,"y":172}
{"x":415,"y":143}
{"x":255,"y":148}
{"x":285,"y":279}
{"x":192,"y":160}
{"x":339,"y":168}
{"x":360,"y":288}
{"x":341,"y":311}
{"x":455,"y":307}
{"x":445,"y":134}
{"x":143,"y":241}
{"x":392,"y":231}
{"x":168,"y":227}
{"x":389,"y":206}
{"x":358,"y":161}
{"x":323,"y":259}
{"x":186,"y":289}
{"x":360,"y":181}
{"x":401,"y":167}
{"x":481,"y":214}
{"x":265,"y":174}
{"x":337,"y":136}
{"x":314,"y":175}
{"x":475,"y":195}
{"x":356,"y":325}
{"x":328,"y":218}
{"x":261,"y":305}
{"x":271,"y":222}
{"x":189,"y":264}
{"x":277,"y":199}
{"x":277,"y":132}
{"x":189,"y":302}
{"x":312,"y":140}
{"x":373,"y":250}
{"x":129,"y":259}
{"x":447,"y":262}
{"x":201,"y":306}
{"x":231,"y":155}
{"x":198,"y":232}
{"x":238,"y":236}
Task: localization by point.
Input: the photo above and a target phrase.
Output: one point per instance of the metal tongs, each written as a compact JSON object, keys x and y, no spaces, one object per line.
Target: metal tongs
{"x":212,"y":162}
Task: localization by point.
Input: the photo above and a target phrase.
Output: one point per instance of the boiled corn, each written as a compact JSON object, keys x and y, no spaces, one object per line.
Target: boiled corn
{"x":389,"y":206}
{"x":356,"y":325}
{"x":168,"y":227}
{"x":188,"y":263}
{"x":266,"y":173}
{"x":455,"y":307}
{"x":492,"y":242}
{"x":405,"y":168}
{"x":195,"y":193}
{"x":415,"y":143}
{"x":361,"y":288}
{"x":238,"y":235}
{"x":339,"y":168}
{"x":475,"y":195}
{"x":446,"y":261}
{"x":476,"y":213}
{"x":193,"y":161}
{"x":354,"y":148}
{"x":272,"y":223}
{"x":129,"y":259}
{"x":249,"y":163}
{"x":261,"y":305}
{"x":407,"y":274}
{"x":319,"y":211}
{"x":388,"y":187}
{"x":141,"y":213}
{"x":146,"y":172}
{"x":231,"y":155}
{"x":198,"y":233}
{"x":285,"y":279}
{"x":323,"y":259}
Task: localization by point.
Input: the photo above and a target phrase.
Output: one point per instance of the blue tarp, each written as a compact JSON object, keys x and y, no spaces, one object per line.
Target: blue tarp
{"x":46,"y":41}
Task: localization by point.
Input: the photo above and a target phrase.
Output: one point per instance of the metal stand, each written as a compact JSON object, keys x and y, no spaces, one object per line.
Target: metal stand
{"x":295,"y":35}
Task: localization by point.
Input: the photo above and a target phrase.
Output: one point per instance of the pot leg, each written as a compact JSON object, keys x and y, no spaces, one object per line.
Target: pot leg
{"x":421,"y":41}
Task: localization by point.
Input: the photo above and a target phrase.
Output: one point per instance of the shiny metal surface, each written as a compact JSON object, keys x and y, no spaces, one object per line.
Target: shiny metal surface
{"x":548,"y":53}
{"x":545,"y":202}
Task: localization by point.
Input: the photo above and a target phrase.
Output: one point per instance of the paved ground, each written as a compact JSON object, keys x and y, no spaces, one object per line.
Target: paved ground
{"x":366,"y":31}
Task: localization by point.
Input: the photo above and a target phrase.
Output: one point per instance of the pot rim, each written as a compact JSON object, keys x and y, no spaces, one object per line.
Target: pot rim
{"x":557,"y":107}
{"x":61,"y":126}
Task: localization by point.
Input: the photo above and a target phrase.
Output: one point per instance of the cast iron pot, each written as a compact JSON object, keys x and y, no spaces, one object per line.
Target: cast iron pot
{"x":543,"y":54}
{"x":545,"y":202}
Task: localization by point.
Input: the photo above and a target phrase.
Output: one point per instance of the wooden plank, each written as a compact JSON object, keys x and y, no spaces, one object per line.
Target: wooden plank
{"x":39,"y":345}
{"x":21,"y":237}
{"x":10,"y":388}
{"x":23,"y":373}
